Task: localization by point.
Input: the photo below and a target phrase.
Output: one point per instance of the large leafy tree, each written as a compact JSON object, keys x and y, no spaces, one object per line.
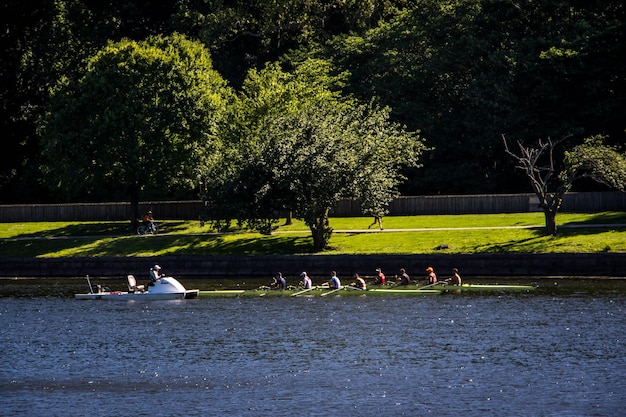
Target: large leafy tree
{"x":41,"y":42}
{"x":464,"y":71}
{"x":302,"y":148}
{"x":551,"y":175}
{"x":137,"y":123}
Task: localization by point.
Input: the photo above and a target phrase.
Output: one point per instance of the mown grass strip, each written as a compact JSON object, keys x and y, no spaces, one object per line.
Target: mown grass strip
{"x":189,"y":238}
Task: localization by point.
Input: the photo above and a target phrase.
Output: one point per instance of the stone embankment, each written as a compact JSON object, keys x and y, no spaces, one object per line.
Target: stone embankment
{"x":215,"y":267}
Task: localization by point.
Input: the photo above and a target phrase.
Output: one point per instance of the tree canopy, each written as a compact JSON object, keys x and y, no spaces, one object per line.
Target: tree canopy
{"x":301,"y":148}
{"x":140,"y":120}
{"x":463,"y":72}
{"x":460,"y":72}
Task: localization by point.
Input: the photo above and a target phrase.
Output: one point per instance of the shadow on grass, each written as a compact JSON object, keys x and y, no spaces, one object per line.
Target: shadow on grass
{"x":159,"y":245}
{"x":537,"y":239}
{"x":35,"y":248}
{"x":99,"y":229}
{"x":593,"y":239}
{"x":607,"y":218}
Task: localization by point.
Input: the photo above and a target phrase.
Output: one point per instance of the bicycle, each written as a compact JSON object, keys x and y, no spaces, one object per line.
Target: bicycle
{"x":145,"y":228}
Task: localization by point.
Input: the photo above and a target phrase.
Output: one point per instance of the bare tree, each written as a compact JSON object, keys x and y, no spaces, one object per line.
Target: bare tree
{"x":591,"y":159}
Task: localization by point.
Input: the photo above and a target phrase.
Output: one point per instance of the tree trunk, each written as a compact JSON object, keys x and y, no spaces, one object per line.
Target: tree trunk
{"x":134,"y":207}
{"x":321,"y":232}
{"x":289,"y":218}
{"x":319,"y":243}
{"x":550,"y":216}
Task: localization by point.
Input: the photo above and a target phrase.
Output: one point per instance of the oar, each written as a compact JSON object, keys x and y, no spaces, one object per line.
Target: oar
{"x":330,"y":292}
{"x":432,"y":285}
{"x":295,"y":294}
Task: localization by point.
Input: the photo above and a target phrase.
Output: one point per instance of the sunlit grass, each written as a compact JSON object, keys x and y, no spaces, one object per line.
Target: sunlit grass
{"x":414,"y":235}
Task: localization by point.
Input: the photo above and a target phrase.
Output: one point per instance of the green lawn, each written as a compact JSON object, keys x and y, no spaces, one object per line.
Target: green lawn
{"x":403,"y":235}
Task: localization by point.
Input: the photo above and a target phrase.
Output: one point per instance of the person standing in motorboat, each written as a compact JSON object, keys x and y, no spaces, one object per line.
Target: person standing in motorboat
{"x":432,"y":277}
{"x":334,"y":283}
{"x":306,"y":282}
{"x":155,"y":274}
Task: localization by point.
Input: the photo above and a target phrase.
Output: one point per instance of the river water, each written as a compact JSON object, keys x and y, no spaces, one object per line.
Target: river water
{"x":560,"y":351}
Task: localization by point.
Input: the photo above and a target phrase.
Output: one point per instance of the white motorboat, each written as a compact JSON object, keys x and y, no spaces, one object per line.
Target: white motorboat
{"x":165,"y":288}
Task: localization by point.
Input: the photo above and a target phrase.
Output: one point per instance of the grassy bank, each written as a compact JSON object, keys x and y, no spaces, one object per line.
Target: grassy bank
{"x":500,"y":233}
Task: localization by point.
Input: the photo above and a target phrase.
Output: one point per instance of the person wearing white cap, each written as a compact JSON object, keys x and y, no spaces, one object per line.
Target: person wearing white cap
{"x":155,"y":274}
{"x":380,"y":277}
{"x":306,"y":282}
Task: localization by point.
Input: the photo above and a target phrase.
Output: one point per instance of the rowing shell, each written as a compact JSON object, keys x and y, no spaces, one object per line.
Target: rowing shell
{"x":345,"y":291}
{"x":483,"y":287}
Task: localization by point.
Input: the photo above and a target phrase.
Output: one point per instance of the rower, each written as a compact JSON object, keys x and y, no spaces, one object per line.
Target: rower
{"x":278,"y":282}
{"x":431,"y":278}
{"x":380,"y":277}
{"x":359,"y":282}
{"x":404,"y":278}
{"x":306,"y":282}
{"x":455,"y":279}
{"x":334,"y":283}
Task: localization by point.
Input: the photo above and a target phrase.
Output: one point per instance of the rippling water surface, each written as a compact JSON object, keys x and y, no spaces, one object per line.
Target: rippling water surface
{"x":543,"y":354}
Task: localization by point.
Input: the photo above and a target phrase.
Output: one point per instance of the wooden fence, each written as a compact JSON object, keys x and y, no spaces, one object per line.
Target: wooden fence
{"x":402,"y":206}
{"x":591,"y":202}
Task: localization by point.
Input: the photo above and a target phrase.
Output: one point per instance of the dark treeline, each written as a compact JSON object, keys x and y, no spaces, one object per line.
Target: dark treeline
{"x":461,"y":72}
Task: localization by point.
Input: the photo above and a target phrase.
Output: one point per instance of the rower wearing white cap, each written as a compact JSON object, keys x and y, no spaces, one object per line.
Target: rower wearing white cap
{"x":155,"y":274}
{"x":380,"y":277}
{"x":306,"y":282}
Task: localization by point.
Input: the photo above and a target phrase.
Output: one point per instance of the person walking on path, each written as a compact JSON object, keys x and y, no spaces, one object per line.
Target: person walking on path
{"x":379,"y":220}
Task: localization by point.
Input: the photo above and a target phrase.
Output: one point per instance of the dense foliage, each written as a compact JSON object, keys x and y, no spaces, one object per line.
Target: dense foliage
{"x":291,"y":144}
{"x":462,"y":72}
{"x":141,"y":119}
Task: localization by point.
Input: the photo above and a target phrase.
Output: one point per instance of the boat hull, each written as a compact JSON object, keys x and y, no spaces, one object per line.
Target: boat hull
{"x":137,"y":296}
{"x":484,"y":287}
{"x":376,"y":291}
{"x":165,"y":288}
{"x":346,"y":291}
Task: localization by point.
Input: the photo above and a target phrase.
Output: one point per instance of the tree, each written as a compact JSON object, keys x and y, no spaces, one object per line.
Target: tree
{"x":41,"y":43}
{"x":231,"y":173}
{"x":339,"y":152}
{"x":139,"y":121}
{"x":304,"y":149}
{"x":462,"y":72}
{"x":591,"y":159}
